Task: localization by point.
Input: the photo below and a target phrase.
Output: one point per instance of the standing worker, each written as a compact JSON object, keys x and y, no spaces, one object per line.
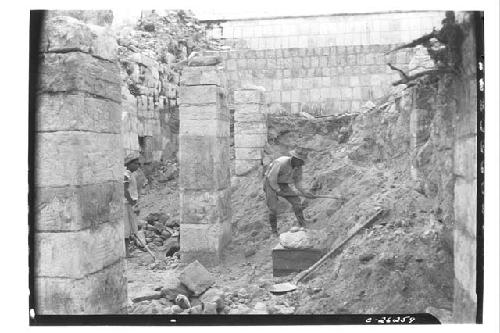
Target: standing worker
{"x":131,"y":198}
{"x":283,"y":171}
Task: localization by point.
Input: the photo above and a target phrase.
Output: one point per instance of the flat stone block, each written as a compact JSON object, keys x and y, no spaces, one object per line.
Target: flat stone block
{"x":250,"y":117}
{"x":287,"y":261}
{"x":202,"y":242}
{"x":77,"y":113}
{"x":465,"y":260}
{"x":79,"y":253}
{"x":104,"y":292}
{"x":248,"y":153}
{"x":76,"y":71}
{"x":196,"y":95}
{"x":254,"y":127}
{"x":243,"y":167}
{"x":203,"y":112}
{"x":465,"y":161}
{"x":203,"y":75}
{"x":75,"y":208}
{"x":250,"y":140}
{"x":248,"y":97}
{"x":196,"y":278}
{"x":466,"y":205}
{"x":205,"y":207}
{"x":204,"y":162}
{"x":77,"y":158}
{"x":212,"y":128}
{"x":67,"y":34}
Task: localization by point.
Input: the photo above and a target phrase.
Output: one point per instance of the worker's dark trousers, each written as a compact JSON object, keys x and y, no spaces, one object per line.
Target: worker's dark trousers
{"x":272,"y":204}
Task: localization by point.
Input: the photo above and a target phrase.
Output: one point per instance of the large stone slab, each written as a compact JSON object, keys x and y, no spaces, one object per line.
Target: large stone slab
{"x":203,"y":112}
{"x":248,"y":153}
{"x":250,"y":140}
{"x":78,"y":112}
{"x":243,"y":167}
{"x":250,"y":117}
{"x":466,"y":206}
{"x":288,"y":261}
{"x":198,"y":95}
{"x":465,"y":161}
{"x":465,"y":261}
{"x":79,"y":253}
{"x":80,"y":72}
{"x":196,"y":278}
{"x":203,"y":75}
{"x":254,"y":127}
{"x":104,"y":292}
{"x":203,"y":242}
{"x":248,"y":97}
{"x":77,"y":158}
{"x":205,"y":207}
{"x":68,"y":34}
{"x":213,"y":128}
{"x":74,"y":208}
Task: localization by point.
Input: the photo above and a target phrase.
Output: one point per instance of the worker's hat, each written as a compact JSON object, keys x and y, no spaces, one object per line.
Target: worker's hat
{"x":299,"y":153}
{"x":131,"y":157}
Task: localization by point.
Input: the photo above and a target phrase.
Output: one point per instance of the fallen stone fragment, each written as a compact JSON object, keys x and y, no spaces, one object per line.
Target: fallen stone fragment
{"x":198,"y":309}
{"x":295,"y":240}
{"x":182,"y":301}
{"x":214,"y":295}
{"x":147,"y":297}
{"x":259,"y":308}
{"x":172,"y":287}
{"x":210,"y":308}
{"x":177,"y":309}
{"x":196,"y":278}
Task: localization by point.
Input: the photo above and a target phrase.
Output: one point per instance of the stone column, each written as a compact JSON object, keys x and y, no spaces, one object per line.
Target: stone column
{"x":205,"y":201}
{"x":250,"y":130}
{"x":79,"y":248}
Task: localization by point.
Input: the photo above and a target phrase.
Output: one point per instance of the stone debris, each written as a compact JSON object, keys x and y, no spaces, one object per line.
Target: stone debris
{"x":298,"y":239}
{"x":182,"y":301}
{"x":196,"y":278}
{"x":172,"y":287}
{"x":214,"y":295}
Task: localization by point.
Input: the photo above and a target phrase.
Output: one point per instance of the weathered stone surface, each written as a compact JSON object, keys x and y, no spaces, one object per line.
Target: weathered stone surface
{"x":196,"y":95}
{"x":210,"y":308}
{"x":242,"y":167}
{"x":250,"y":140}
{"x":249,"y":109}
{"x":464,"y":306}
{"x":203,"y":75}
{"x":295,"y":240}
{"x":74,"y":208}
{"x":79,"y":72}
{"x":205,"y":206}
{"x":172,"y":287}
{"x":196,"y":278}
{"x":466,"y":206}
{"x":203,"y":112}
{"x":76,"y":254}
{"x":213,"y":128}
{"x":465,"y":161}
{"x":203,"y":242}
{"x":214,"y":295}
{"x":250,"y":117}
{"x":254,"y":127}
{"x":77,"y":158}
{"x":104,"y":292}
{"x":78,"y":112}
{"x":98,"y":17}
{"x":248,"y":153}
{"x":465,"y":260}
{"x":204,"y":162}
{"x":67,"y":34}
{"x":248,"y":97}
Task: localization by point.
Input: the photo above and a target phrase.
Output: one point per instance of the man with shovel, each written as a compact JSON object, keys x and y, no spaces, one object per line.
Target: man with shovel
{"x":282,"y":172}
{"x":131,"y":197}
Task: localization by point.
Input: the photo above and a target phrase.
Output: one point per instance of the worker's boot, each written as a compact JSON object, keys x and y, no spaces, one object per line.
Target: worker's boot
{"x":299,"y":214}
{"x":273,"y":221}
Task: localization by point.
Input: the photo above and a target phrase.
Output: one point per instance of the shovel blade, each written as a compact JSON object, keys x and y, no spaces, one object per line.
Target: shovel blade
{"x":282,"y":288}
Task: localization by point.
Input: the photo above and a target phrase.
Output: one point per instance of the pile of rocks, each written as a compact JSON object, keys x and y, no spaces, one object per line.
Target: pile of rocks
{"x":160,"y":232}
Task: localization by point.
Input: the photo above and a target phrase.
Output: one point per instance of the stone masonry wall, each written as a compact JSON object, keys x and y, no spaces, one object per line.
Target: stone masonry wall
{"x":250,"y":130}
{"x":465,"y":171}
{"x":79,"y":249}
{"x":204,"y":180}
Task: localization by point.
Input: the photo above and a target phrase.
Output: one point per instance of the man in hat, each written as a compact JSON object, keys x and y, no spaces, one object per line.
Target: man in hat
{"x":131,"y":198}
{"x":282,"y":172}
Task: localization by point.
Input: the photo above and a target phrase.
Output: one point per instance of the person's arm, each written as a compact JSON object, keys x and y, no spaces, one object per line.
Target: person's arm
{"x":273,"y":176}
{"x":126,"y":192}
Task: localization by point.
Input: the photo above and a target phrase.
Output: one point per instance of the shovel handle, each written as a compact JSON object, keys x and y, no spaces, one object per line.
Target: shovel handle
{"x":137,"y":239}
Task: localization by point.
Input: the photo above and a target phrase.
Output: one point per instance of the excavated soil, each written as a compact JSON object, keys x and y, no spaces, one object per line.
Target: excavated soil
{"x":401,"y":264}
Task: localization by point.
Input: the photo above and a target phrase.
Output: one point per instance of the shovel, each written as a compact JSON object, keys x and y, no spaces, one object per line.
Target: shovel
{"x":138,"y":240}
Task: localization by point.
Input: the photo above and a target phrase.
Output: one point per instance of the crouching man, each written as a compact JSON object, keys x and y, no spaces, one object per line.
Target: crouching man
{"x":282,"y":172}
{"x":131,"y":198}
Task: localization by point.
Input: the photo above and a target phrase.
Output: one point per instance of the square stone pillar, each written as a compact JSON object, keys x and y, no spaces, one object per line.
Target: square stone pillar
{"x":204,"y":179}
{"x":250,"y":130}
{"x":79,"y":247}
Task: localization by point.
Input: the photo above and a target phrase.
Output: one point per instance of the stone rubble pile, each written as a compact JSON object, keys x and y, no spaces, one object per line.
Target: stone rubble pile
{"x":161,"y":231}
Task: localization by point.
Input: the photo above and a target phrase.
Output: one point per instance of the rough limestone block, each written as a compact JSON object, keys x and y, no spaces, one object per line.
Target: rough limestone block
{"x":67,"y":34}
{"x":287,"y":261}
{"x":205,"y":207}
{"x":77,"y":158}
{"x":465,"y":260}
{"x":104,"y":292}
{"x":203,"y":112}
{"x":465,"y":161}
{"x":250,"y":117}
{"x":204,"y":162}
{"x":78,"y":253}
{"x":213,"y":128}
{"x":248,"y":97}
{"x":255,"y":127}
{"x":466,"y":205}
{"x":172,"y":287}
{"x":214,"y":296}
{"x":243,"y":167}
{"x":77,"y":113}
{"x":196,"y":278}
{"x":196,"y":95}
{"x":250,"y":140}
{"x":97,"y":17}
{"x":202,"y":242}
{"x":203,"y":75}
{"x":248,"y":153}
{"x":76,"y":71}
{"x":75,"y":208}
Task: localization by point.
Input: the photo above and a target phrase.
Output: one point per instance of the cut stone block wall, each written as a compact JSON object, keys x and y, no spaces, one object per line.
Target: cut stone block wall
{"x":465,"y":161}
{"x":79,"y":249}
{"x":250,"y":130}
{"x":204,"y":159}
